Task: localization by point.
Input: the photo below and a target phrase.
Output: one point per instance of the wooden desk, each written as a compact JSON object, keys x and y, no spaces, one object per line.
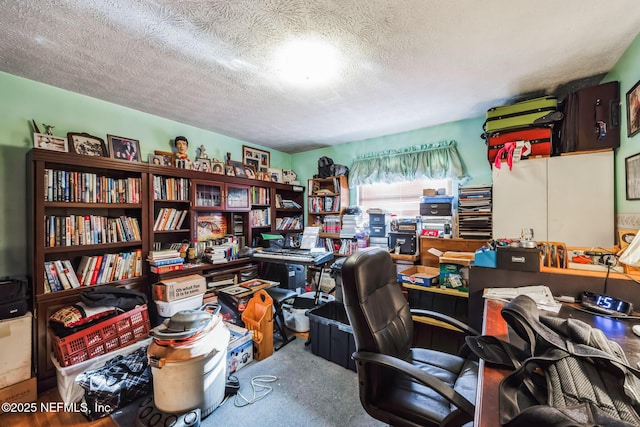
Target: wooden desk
{"x":489,"y":378}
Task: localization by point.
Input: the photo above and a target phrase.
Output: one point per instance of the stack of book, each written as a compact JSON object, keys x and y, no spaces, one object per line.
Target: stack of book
{"x":164,"y":261}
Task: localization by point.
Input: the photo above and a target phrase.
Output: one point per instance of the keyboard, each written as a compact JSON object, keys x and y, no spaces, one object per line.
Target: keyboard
{"x":293,"y":256}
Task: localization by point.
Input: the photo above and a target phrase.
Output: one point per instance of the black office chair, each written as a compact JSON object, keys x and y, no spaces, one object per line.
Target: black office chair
{"x":400,"y":385}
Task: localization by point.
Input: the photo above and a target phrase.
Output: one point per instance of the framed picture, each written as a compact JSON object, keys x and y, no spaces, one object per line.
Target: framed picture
{"x":250,"y":171}
{"x":288,"y":176}
{"x":625,"y":237}
{"x":182,"y":163}
{"x":238,"y":168}
{"x":217,"y":168}
{"x":165,"y":157}
{"x":632,"y":175}
{"x":202,"y":165}
{"x":87,"y":145}
{"x":126,"y":149}
{"x":260,"y":159}
{"x":229,"y":170}
{"x":50,"y":142}
{"x":275,"y":174}
{"x":633,"y":110}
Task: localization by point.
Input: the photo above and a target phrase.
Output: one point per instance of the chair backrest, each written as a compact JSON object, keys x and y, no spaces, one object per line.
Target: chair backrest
{"x":378,"y":311}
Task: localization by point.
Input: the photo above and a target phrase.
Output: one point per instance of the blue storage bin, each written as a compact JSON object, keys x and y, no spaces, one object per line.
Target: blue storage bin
{"x":436,"y":199}
{"x":485,"y":259}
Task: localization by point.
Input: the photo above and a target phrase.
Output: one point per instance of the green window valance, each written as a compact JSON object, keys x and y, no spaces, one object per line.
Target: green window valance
{"x":427,"y":161}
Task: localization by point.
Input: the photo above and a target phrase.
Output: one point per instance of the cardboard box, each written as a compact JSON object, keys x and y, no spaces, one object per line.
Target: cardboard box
{"x":420,"y":275}
{"x":179,"y":288}
{"x":454,"y":269}
{"x":22,"y":392}
{"x":240,"y":350}
{"x":15,"y":361}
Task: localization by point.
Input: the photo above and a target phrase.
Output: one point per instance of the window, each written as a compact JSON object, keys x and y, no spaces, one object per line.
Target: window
{"x":401,"y":198}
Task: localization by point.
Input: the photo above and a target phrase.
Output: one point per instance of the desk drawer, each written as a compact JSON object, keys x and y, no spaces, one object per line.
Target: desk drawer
{"x":436,"y":209}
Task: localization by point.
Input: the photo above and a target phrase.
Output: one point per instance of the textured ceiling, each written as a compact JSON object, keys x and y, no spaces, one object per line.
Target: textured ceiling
{"x":405,"y":64}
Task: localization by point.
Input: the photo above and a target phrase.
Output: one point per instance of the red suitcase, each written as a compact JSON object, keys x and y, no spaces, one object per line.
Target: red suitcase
{"x":536,"y":141}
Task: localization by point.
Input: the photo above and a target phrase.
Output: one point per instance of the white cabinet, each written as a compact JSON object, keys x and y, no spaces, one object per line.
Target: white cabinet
{"x":566,"y":199}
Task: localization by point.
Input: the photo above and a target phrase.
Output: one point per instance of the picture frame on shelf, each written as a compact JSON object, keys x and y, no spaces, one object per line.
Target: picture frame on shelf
{"x":288,"y":176}
{"x":249,"y":171}
{"x":625,"y":237}
{"x":260,"y":159}
{"x":229,"y":170}
{"x":633,"y":110}
{"x":202,"y":164}
{"x":217,"y":168}
{"x":182,"y":163}
{"x":632,"y":176}
{"x":121,"y":148}
{"x":165,"y":156}
{"x":86,"y":144}
{"x":238,"y":168}
{"x":50,"y":142}
{"x":275,"y":174}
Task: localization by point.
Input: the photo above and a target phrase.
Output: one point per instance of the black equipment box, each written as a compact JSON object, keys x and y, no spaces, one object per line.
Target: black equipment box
{"x":407,"y":243}
{"x":436,"y":209}
{"x":13,"y":297}
{"x":520,"y":259}
{"x":378,"y":230}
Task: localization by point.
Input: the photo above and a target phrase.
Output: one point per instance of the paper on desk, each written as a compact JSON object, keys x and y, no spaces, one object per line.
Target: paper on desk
{"x":540,"y":294}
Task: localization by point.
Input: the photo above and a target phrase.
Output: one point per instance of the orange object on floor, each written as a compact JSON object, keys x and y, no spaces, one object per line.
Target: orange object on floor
{"x":258,"y":317}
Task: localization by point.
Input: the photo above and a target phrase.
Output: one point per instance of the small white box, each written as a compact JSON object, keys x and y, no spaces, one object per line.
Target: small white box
{"x":15,"y":360}
{"x":70,"y":391}
{"x":240,"y":350}
{"x":168,"y":309}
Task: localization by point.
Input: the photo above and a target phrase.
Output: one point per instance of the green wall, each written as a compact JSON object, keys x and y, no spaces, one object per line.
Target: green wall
{"x":23,"y":100}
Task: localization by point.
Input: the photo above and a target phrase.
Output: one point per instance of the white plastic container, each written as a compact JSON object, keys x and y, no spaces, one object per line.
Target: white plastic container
{"x":189,"y":371}
{"x":295,"y":314}
{"x":168,"y":309}
{"x":15,"y":358}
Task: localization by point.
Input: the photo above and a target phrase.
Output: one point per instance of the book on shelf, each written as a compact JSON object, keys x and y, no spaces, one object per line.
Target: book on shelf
{"x":62,"y":276}
{"x":71,"y":274}
{"x":166,"y":261}
{"x":96,"y":270}
{"x":166,"y":268}
{"x":163,"y":254}
{"x":52,"y":276}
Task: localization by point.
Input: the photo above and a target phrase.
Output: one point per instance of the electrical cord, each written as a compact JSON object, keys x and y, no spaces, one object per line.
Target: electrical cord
{"x":260,"y":390}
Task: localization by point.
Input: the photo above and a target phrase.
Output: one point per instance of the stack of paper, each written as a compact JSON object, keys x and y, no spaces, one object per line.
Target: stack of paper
{"x":540,"y":294}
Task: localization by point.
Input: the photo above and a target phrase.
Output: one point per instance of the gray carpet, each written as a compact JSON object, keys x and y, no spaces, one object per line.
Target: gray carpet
{"x":309,"y":391}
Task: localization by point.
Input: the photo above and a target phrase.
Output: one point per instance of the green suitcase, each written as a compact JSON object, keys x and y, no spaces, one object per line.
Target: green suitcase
{"x":524,"y":114}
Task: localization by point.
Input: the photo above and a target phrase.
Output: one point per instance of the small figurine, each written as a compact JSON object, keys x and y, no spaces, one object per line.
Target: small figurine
{"x":181,"y":144}
{"x":48,"y":129}
{"x":203,"y":154}
{"x":228,"y":157}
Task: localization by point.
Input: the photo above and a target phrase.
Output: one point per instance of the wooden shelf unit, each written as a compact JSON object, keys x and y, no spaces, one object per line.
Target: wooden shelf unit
{"x":235,"y":203}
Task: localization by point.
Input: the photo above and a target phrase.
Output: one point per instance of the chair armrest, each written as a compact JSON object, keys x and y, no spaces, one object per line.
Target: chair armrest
{"x":446,"y":319}
{"x":419,"y":375}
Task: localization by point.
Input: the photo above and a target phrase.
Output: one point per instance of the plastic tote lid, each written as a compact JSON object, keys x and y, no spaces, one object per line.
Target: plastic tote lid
{"x":183,"y":324}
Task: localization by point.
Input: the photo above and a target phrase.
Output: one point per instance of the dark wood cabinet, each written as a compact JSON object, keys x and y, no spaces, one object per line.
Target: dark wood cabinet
{"x":131,"y":208}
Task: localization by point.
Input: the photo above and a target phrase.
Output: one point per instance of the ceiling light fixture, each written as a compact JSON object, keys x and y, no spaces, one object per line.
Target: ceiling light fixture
{"x":307,"y":62}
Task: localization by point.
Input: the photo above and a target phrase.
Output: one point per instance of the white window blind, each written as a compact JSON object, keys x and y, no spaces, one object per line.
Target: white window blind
{"x":400,"y":198}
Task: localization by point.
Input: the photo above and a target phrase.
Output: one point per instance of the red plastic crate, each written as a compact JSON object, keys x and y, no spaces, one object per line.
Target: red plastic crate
{"x":112,"y":334}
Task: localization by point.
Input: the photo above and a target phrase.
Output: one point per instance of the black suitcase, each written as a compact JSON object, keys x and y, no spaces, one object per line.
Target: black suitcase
{"x":591,"y":119}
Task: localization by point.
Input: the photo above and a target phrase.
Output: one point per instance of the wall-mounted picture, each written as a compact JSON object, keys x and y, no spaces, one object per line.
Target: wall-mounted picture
{"x":260,"y":159}
{"x":633,"y":110}
{"x":87,"y":145}
{"x":238,"y":169}
{"x":121,"y":148}
{"x":250,"y":171}
{"x":632,"y":174}
{"x":164,"y":158}
{"x":50,"y":142}
{"x":229,"y":170}
{"x":217,"y":168}
{"x":202,"y":165}
{"x":275,"y":174}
